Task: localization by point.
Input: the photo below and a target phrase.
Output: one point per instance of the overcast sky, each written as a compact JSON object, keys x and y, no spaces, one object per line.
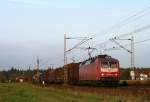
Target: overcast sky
{"x":31,"y":28}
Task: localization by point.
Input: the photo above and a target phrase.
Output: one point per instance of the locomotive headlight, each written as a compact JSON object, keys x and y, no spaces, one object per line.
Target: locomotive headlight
{"x":102,"y":74}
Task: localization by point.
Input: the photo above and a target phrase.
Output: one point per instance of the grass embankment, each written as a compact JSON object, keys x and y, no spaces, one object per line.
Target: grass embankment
{"x":31,"y":93}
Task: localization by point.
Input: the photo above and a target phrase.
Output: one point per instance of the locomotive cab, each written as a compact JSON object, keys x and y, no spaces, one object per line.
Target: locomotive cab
{"x":110,"y":70}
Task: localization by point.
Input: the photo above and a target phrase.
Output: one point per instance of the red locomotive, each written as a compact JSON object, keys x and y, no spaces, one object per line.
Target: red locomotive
{"x":100,"y":68}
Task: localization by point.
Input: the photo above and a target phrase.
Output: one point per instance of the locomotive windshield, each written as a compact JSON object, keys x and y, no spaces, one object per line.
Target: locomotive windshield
{"x":109,"y":64}
{"x":113,"y":64}
{"x":105,"y":65}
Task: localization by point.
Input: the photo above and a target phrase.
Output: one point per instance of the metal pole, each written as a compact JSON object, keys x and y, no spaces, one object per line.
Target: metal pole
{"x":132,"y":52}
{"x":132,"y":68}
{"x":132,"y":57}
{"x":65,"y":61}
{"x":38,"y":65}
{"x":38,"y":72}
{"x":84,"y":39}
{"x":64,"y":49}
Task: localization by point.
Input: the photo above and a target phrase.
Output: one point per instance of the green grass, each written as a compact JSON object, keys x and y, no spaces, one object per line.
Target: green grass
{"x":31,"y":93}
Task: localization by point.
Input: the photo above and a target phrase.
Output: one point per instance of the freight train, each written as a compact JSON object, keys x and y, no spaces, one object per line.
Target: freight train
{"x":102,"y":68}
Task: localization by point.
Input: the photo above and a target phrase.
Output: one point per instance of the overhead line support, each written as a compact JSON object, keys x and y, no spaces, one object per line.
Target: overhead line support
{"x":129,"y":51}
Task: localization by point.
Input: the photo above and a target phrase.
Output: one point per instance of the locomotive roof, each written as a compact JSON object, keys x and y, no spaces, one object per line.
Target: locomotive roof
{"x":103,"y":58}
{"x":106,"y":58}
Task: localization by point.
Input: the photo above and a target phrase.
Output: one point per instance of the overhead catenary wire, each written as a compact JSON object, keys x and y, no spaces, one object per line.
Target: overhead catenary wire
{"x":78,"y":44}
{"x":137,"y":15}
{"x":135,"y":43}
{"x":142,"y":41}
{"x":133,"y":17}
{"x":79,"y":56}
{"x":135,"y":31}
{"x":125,"y":35}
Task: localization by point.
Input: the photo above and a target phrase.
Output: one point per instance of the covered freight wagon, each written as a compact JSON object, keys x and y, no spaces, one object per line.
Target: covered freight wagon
{"x":55,"y":75}
{"x":73,"y":73}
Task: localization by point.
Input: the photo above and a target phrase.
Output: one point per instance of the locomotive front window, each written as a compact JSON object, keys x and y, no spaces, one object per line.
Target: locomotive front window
{"x":113,"y":64}
{"x":105,"y":65}
{"x":109,"y":65}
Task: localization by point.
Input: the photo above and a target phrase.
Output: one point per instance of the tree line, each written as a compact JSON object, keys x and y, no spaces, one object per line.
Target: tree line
{"x":14,"y":74}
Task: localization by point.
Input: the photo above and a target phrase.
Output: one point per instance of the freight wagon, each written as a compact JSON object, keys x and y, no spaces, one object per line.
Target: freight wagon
{"x":55,"y":75}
